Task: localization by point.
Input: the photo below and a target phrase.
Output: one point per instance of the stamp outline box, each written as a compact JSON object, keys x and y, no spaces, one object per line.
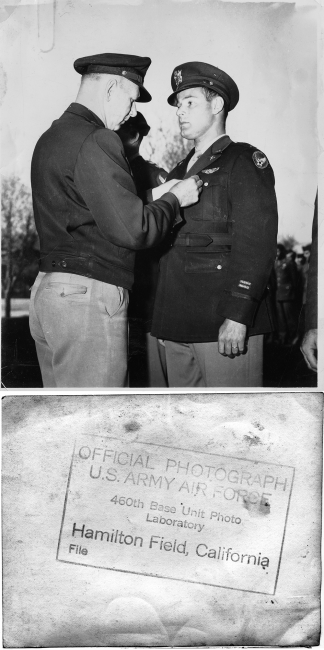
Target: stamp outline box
{"x":166,"y":577}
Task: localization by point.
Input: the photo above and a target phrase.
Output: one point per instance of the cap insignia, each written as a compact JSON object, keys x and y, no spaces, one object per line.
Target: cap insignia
{"x":260,"y":160}
{"x":177,"y":77}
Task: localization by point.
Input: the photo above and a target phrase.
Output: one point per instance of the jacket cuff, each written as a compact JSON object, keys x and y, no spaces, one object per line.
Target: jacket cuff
{"x":241,"y":310}
{"x":311,"y":322}
{"x":171,"y":198}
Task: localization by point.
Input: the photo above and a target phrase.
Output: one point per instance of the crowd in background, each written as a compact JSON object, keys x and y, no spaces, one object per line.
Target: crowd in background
{"x":288,"y":288}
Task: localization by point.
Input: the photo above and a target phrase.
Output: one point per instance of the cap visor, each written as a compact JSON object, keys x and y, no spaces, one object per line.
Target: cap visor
{"x":172,"y":98}
{"x":144,"y":95}
{"x":195,"y":84}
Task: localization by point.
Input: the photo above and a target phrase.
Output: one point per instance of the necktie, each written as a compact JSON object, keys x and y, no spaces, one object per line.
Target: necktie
{"x":193,"y":159}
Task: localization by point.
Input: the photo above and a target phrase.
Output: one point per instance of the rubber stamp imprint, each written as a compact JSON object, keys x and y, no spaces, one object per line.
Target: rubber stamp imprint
{"x":175,"y":513}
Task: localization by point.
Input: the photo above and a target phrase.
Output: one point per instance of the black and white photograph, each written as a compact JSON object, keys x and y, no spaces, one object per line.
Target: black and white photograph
{"x":159,"y":194}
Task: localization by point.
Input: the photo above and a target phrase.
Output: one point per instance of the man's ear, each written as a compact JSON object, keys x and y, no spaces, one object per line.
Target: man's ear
{"x":135,"y":139}
{"x":110,"y":87}
{"x":217,"y":104}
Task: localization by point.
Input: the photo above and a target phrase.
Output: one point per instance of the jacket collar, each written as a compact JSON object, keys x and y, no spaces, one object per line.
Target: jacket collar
{"x":83,"y":111}
{"x":209,"y":156}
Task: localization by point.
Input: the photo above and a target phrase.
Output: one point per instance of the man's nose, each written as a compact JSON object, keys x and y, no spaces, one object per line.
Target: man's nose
{"x":133,"y":112}
{"x":180,"y":111}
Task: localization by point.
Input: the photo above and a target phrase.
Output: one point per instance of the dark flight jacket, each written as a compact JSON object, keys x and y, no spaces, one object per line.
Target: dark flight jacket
{"x":89,"y":218}
{"x":146,"y":176}
{"x":219,"y":260}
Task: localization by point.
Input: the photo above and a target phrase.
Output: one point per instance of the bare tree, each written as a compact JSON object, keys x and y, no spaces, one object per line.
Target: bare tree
{"x":19,"y":236}
{"x":288,"y":241}
{"x":165,"y":148}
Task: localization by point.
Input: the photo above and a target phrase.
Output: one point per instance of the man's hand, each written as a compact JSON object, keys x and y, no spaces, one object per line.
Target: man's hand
{"x":231,"y":338}
{"x":163,"y":188}
{"x":309,"y":347}
{"x":187,"y":192}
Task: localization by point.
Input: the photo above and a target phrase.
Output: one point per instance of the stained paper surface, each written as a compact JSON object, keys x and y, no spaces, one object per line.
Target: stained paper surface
{"x":162,"y":519}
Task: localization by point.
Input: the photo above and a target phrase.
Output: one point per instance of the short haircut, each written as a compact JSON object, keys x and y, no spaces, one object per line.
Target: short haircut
{"x":210,"y":94}
{"x":91,"y":76}
{"x":95,"y":76}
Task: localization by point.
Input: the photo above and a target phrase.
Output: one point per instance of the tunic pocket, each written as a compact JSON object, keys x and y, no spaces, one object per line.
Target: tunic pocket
{"x":213,"y":200}
{"x":205,"y":262}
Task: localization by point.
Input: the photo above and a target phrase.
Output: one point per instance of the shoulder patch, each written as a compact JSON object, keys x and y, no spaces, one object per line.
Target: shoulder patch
{"x":260,"y":160}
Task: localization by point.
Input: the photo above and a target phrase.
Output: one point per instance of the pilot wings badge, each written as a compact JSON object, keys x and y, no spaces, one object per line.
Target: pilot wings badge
{"x":177,"y":77}
{"x":210,"y":171}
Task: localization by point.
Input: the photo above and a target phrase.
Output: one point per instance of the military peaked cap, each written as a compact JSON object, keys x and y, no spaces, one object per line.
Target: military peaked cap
{"x":128,"y":66}
{"x":195,"y":73}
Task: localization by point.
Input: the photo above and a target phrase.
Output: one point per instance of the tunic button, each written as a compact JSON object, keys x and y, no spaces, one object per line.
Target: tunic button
{"x":53,"y":263}
{"x":219,"y":266}
{"x":64,"y":264}
{"x":205,"y":184}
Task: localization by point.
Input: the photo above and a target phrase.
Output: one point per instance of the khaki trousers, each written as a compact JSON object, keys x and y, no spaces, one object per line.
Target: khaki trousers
{"x":80,"y":329}
{"x":201,"y":365}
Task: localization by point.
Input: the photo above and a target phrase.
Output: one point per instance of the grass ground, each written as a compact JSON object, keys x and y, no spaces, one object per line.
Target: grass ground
{"x":284,"y":366}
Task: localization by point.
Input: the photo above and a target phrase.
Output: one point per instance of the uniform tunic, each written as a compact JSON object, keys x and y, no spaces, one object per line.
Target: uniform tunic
{"x":219,"y":260}
{"x":89,"y":218}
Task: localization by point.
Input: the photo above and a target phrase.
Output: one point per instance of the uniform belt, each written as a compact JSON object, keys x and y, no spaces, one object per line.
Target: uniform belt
{"x":203,"y":240}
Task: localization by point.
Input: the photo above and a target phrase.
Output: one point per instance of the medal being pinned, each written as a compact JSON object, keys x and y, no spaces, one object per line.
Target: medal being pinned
{"x":210,"y":171}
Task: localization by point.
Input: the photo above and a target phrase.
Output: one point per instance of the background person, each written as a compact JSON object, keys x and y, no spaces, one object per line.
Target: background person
{"x":147,"y":364}
{"x":90,"y":223}
{"x":211,"y":301}
{"x":286,"y":295}
{"x":309,"y":343}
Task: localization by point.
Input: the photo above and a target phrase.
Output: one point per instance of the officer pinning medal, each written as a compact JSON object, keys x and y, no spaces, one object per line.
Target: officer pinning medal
{"x":90,"y":222}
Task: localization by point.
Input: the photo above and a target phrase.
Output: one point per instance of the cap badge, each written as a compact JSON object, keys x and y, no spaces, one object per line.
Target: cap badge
{"x":177,"y":77}
{"x":260,"y":160}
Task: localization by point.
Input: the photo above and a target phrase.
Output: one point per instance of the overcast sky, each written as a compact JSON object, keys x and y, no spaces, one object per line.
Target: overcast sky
{"x":268,"y":48}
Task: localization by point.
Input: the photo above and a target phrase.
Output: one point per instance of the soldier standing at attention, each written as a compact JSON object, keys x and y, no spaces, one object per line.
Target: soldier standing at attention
{"x":90,"y":222}
{"x":211,"y":304}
